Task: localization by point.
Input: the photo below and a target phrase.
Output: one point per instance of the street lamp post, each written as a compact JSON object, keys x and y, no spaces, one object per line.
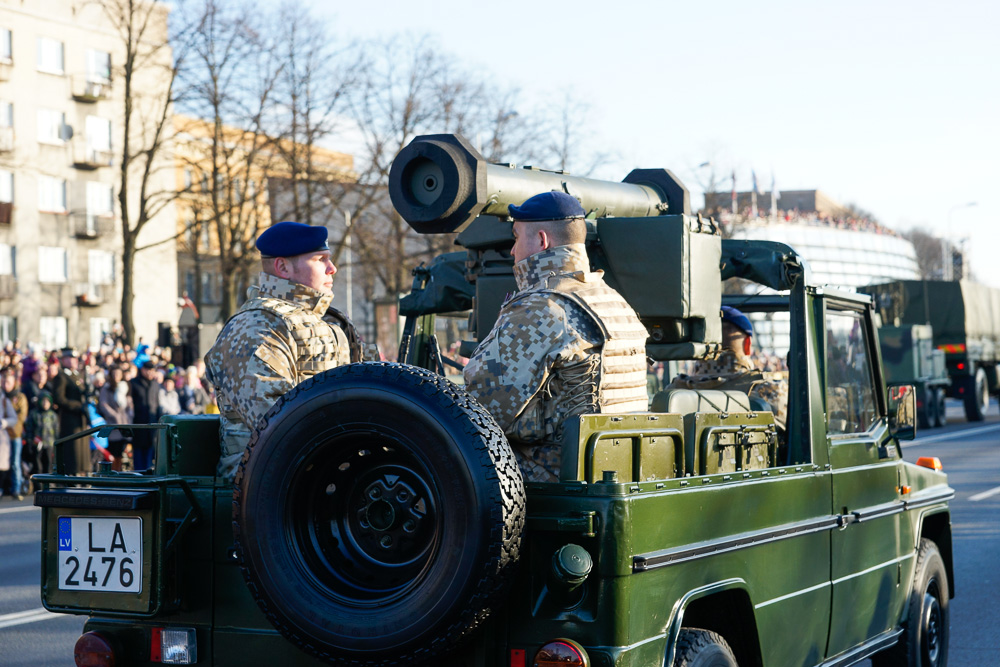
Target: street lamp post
{"x":947,"y":264}
{"x":348,"y":267}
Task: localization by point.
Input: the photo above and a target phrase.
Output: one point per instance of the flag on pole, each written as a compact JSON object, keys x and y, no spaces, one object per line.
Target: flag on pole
{"x":753,"y":194}
{"x":734,"y":192}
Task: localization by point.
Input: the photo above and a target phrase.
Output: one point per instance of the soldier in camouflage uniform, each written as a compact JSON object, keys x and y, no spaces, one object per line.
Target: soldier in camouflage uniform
{"x":565,"y":344}
{"x":733,"y":369}
{"x":285,"y":333}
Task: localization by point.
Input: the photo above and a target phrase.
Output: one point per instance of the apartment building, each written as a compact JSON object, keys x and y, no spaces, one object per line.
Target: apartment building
{"x":61,"y":130}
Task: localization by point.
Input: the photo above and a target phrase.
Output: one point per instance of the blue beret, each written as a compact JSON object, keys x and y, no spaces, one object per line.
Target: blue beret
{"x":287,"y":239}
{"x":737,"y":319}
{"x":547,"y":206}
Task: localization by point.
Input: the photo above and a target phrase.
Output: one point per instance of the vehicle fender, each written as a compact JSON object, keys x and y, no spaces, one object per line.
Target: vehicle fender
{"x":935,"y":524}
{"x":733,"y":594}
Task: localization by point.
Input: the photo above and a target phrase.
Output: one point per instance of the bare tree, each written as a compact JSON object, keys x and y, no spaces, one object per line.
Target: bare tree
{"x":147,"y":76}
{"x":228,"y":84}
{"x":930,"y":253}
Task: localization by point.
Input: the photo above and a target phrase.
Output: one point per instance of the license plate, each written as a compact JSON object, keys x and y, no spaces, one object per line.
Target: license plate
{"x":100,"y":554}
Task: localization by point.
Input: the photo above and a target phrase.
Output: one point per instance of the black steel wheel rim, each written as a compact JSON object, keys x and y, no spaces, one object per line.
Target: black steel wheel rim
{"x":933,"y":624}
{"x":364,"y":516}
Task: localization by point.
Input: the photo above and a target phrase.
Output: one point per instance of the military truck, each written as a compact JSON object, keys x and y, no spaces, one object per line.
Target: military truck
{"x":378,"y":516}
{"x":965,"y":318}
{"x":909,"y":356}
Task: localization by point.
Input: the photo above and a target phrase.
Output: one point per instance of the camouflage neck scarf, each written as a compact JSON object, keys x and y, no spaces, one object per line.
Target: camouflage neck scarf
{"x":562,"y":259}
{"x":307,"y":297}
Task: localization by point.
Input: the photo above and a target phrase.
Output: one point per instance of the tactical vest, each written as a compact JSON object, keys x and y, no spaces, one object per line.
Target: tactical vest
{"x":613,"y":379}
{"x":318,"y":345}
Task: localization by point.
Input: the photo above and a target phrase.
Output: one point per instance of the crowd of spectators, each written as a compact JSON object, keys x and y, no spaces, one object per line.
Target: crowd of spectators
{"x":744,"y":217}
{"x":48,"y":394}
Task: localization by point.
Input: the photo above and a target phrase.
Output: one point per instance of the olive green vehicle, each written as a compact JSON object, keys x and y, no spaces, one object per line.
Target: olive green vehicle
{"x":379,"y":518}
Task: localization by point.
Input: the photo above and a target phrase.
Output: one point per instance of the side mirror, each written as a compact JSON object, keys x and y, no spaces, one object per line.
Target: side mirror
{"x":902,"y":403}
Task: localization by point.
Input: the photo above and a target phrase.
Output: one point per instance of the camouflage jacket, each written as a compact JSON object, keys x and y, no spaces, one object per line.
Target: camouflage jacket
{"x":736,"y":373}
{"x":565,"y":344}
{"x":281,"y":336}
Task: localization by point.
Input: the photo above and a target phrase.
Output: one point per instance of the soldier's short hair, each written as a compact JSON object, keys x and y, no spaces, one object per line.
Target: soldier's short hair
{"x":564,"y":232}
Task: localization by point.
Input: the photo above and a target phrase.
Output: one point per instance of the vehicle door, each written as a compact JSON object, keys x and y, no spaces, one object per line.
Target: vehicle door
{"x":865,"y":550}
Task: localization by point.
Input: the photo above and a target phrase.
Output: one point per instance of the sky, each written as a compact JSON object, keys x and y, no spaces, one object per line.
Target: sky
{"x":891,"y":105}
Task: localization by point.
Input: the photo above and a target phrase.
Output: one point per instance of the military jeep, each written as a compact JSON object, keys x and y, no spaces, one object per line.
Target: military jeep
{"x":379,"y":518}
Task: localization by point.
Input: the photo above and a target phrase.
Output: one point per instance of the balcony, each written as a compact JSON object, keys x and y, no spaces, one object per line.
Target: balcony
{"x":88,"y":91}
{"x":90,"y":226}
{"x":8,"y":287}
{"x":90,"y":296}
{"x":6,"y":139}
{"x":90,"y":158}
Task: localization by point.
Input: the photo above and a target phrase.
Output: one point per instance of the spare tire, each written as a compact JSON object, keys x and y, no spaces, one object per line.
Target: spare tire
{"x":378,"y":514}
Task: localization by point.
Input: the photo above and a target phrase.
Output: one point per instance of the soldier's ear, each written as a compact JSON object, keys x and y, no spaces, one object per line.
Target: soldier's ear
{"x":544,"y":240}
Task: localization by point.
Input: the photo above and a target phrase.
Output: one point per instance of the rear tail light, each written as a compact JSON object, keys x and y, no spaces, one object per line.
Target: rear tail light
{"x":932,"y":462}
{"x":93,"y":650}
{"x":174,"y":646}
{"x":561,"y":653}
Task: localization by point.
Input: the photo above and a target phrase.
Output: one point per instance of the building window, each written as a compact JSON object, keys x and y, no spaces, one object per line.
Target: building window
{"x":6,"y":186}
{"x":100,"y":203}
{"x":54,"y":332}
{"x":50,"y":126}
{"x":204,"y":237}
{"x":8,"y":329}
{"x":98,"y":134}
{"x":51,"y":194}
{"x":98,"y":66}
{"x":6,"y":46}
{"x":53,"y":265}
{"x":6,"y":260}
{"x":207,"y":296}
{"x":6,"y":114}
{"x":51,"y":56}
{"x":189,"y":284}
{"x":99,"y":326}
{"x":100,"y":267}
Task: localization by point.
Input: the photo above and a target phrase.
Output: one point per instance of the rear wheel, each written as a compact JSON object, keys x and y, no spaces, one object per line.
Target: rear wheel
{"x":977,"y":397}
{"x":942,"y":417}
{"x":703,"y":648}
{"x":378,"y":515}
{"x":925,"y":634}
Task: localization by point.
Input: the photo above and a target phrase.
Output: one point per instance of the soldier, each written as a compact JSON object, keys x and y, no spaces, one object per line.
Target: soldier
{"x":565,"y":344}
{"x":285,"y":333}
{"x":69,"y":398}
{"x":733,"y":369}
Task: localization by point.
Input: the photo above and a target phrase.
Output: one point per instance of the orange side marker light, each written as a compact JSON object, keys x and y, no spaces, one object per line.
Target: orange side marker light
{"x":932,"y":462}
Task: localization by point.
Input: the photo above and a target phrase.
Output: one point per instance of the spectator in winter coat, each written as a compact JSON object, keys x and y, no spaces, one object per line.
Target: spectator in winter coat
{"x":16,"y":429}
{"x":170,"y":403}
{"x":7,"y":417}
{"x":41,"y":430}
{"x":146,"y":405}
{"x":115,"y":405}
{"x":68,"y":387}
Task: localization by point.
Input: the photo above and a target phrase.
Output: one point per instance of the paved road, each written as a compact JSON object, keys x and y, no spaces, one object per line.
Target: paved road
{"x":32,"y":637}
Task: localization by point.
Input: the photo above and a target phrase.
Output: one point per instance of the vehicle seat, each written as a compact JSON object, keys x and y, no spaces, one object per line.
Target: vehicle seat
{"x":717,"y":411}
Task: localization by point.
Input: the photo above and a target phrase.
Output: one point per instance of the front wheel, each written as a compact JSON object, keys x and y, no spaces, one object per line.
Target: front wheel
{"x":703,"y":648}
{"x":925,"y":635}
